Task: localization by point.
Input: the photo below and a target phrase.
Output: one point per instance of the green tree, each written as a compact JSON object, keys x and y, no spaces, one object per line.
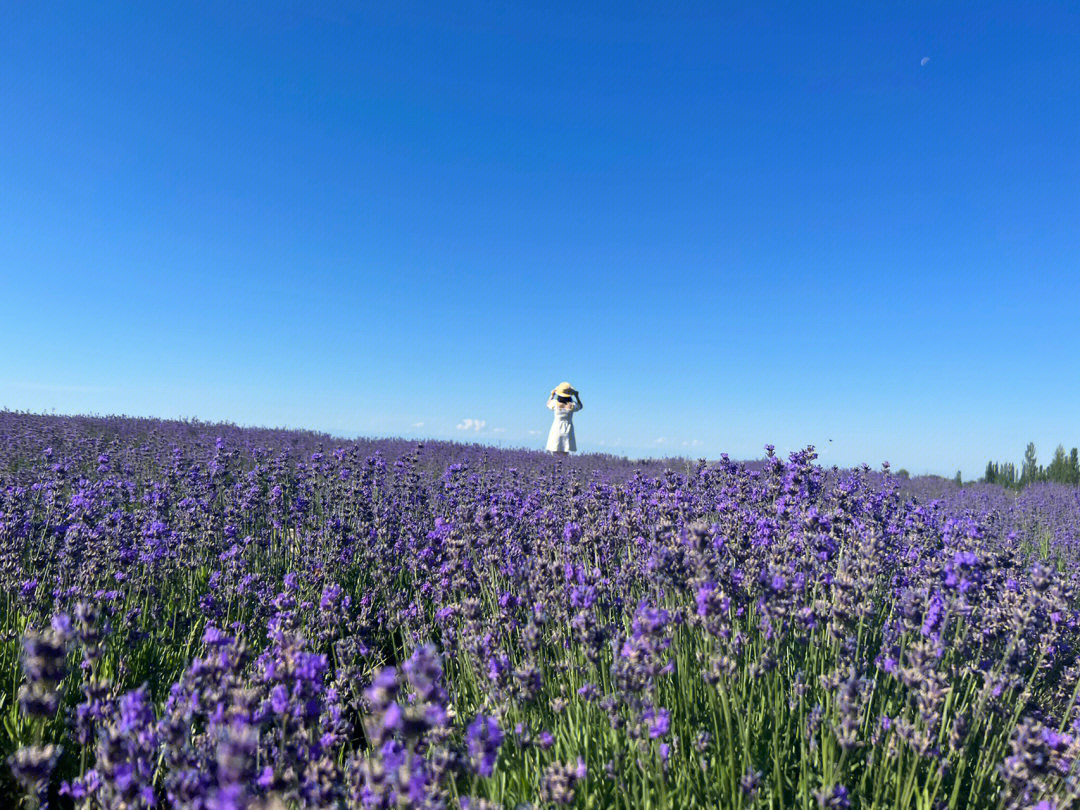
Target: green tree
{"x":990,"y":476}
{"x":1006,"y":474}
{"x":1029,"y":473}
{"x":958,"y":479}
{"x":1058,"y":471}
{"x":1074,"y":468}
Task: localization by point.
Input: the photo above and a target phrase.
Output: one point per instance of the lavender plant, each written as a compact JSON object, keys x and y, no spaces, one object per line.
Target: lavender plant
{"x":207,"y":617}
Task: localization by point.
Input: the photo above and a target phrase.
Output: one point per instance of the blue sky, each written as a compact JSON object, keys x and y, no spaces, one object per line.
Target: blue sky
{"x":728,"y":225}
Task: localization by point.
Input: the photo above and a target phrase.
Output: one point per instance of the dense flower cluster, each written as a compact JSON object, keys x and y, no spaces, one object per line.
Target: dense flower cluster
{"x":209,"y":618}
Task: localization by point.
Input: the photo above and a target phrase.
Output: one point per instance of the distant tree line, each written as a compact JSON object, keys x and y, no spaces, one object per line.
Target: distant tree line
{"x":1062,"y":469}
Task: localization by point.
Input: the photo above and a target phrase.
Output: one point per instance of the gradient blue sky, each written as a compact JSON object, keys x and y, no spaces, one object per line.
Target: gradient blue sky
{"x":727,"y":225}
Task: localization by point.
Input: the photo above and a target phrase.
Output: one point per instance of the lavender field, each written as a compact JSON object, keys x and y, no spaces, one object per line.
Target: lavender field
{"x":207,"y":617}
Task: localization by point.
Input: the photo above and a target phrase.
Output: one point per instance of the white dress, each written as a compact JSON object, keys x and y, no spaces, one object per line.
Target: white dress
{"x":561,"y":435}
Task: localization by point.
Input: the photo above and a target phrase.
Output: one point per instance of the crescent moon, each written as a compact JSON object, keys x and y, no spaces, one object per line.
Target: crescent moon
{"x":925,"y":59}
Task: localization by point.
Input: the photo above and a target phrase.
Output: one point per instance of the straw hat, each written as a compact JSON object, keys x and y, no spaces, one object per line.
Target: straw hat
{"x":564,"y":390}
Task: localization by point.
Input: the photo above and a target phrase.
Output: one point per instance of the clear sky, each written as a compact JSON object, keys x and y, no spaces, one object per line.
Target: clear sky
{"x":851,"y":225}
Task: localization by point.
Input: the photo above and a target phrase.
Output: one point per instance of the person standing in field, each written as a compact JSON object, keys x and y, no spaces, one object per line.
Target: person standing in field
{"x":561,"y":436}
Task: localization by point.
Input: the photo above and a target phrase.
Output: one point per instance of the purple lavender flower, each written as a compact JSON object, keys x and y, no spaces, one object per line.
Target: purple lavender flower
{"x":484,"y":738}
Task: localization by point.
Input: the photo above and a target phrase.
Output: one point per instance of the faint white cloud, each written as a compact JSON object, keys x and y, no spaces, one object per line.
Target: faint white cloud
{"x":417,"y":424}
{"x":661,"y":440}
{"x":534,"y":432}
{"x":691,"y":443}
{"x":472,"y":424}
{"x":498,"y":430}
